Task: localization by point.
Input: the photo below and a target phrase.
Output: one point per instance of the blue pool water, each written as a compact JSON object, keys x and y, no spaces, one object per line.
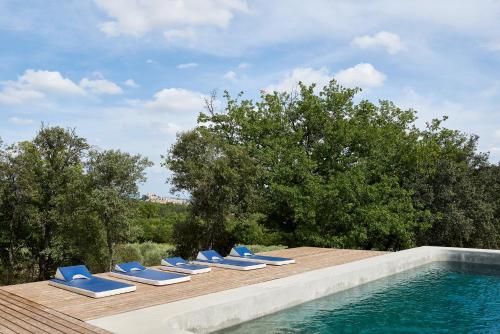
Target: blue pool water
{"x":436,"y":298}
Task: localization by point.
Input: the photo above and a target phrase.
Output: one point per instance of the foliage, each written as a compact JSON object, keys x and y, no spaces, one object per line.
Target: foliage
{"x":113,"y":178}
{"x":154,"y":221}
{"x":148,"y":253}
{"x":61,"y":204}
{"x":316,"y":168}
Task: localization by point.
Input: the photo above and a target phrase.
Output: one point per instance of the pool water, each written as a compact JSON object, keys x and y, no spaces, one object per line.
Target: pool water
{"x":441,"y":297}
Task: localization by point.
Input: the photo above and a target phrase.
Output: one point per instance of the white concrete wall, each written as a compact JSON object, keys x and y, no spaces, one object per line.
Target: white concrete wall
{"x":219,"y":310}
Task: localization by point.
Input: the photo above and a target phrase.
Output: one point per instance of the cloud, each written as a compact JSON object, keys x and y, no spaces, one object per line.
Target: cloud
{"x":11,"y":94}
{"x":20,"y":121}
{"x":48,"y":82}
{"x":306,"y":75}
{"x":230,"y":75}
{"x":497,"y":133}
{"x":390,"y":42}
{"x":243,"y":65}
{"x":492,"y":46}
{"x":131,"y":83}
{"x":100,"y":86}
{"x":187,"y":65}
{"x":362,"y":75}
{"x":170,"y":128}
{"x":177,"y":100}
{"x":136,"y":17}
{"x":35,"y":84}
{"x":38,"y":84}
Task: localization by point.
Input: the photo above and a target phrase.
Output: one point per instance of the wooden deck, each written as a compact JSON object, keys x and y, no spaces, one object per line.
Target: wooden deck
{"x":19,"y":315}
{"x":48,"y":300}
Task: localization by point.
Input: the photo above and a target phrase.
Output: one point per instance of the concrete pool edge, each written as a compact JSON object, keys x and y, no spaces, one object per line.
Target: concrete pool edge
{"x":219,"y":310}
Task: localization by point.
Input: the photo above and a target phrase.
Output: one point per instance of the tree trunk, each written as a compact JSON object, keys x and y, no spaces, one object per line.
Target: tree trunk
{"x":109,"y":242}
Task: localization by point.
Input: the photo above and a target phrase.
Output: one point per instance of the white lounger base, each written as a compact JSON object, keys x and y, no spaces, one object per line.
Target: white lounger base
{"x":249,"y":259}
{"x":91,"y":293}
{"x":150,"y":281}
{"x":228,"y":266}
{"x":186,"y":271}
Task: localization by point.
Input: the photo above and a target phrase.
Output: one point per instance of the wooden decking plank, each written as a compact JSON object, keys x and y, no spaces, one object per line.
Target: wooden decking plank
{"x":60,"y":321}
{"x":5,"y":330}
{"x":5,"y":322}
{"x":85,"y":308}
{"x":37,"y":312}
{"x":23,"y":326}
{"x":29,"y":321}
{"x":45,"y":323}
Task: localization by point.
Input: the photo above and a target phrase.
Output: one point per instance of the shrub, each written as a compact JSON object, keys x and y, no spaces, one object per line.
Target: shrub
{"x":147,"y":253}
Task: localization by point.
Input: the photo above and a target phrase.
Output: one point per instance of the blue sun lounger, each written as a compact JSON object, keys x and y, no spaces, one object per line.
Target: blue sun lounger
{"x":212,"y":258}
{"x":180,"y":265}
{"x":79,"y":280}
{"x":244,"y":254}
{"x":134,"y":271}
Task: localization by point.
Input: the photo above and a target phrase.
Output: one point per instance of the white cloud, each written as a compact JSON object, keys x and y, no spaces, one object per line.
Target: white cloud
{"x":492,"y":46}
{"x":48,"y":82}
{"x":243,"y":65}
{"x":131,"y":83}
{"x":497,"y":133}
{"x":392,"y":43}
{"x":20,"y":121}
{"x":230,"y":75}
{"x":150,"y":61}
{"x":362,"y":75}
{"x":11,"y":94}
{"x":177,"y":100}
{"x":170,"y":128}
{"x":306,"y":75}
{"x":187,"y":65}
{"x":136,"y":17}
{"x":100,"y":86}
{"x":175,"y":36}
{"x":38,"y":84}
{"x":35,"y":84}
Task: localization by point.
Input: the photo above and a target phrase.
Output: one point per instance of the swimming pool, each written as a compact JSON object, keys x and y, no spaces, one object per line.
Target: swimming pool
{"x":440,"y":297}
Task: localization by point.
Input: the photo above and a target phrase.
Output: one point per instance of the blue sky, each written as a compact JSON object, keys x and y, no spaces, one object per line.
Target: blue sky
{"x":130,"y":74}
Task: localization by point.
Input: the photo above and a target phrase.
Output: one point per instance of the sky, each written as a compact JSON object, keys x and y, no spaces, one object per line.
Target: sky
{"x":131,"y":74}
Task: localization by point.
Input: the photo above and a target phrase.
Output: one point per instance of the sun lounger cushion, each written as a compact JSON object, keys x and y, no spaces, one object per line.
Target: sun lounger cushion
{"x":178,"y":264}
{"x":211,"y":257}
{"x":134,"y":271}
{"x":244,"y":254}
{"x":79,"y":280}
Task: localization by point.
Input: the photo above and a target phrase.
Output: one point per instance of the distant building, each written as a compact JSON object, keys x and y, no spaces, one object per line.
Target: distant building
{"x":150,"y":197}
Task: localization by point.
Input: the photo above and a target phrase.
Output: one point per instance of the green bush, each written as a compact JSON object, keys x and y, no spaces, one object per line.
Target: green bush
{"x":147,"y":253}
{"x":262,"y":248}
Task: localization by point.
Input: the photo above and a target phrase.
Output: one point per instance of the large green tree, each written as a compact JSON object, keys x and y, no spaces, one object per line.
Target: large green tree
{"x":41,"y":195}
{"x":113,"y":177}
{"x":322,"y":170}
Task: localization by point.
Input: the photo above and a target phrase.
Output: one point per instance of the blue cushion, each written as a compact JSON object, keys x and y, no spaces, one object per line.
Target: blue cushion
{"x":72,"y":272}
{"x":235,"y":263}
{"x":269,"y":258}
{"x":174,"y":261}
{"x":191,"y":266}
{"x":154,"y":275}
{"x":211,"y":255}
{"x":94,"y":284}
{"x":243,"y":251}
{"x":129,"y":266}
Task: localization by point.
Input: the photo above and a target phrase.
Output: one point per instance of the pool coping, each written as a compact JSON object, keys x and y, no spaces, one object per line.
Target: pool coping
{"x":211,"y":312}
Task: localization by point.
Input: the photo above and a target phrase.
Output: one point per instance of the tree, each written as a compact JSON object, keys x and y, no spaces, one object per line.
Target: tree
{"x":322,"y":170}
{"x":41,"y":186}
{"x":113,"y":177}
